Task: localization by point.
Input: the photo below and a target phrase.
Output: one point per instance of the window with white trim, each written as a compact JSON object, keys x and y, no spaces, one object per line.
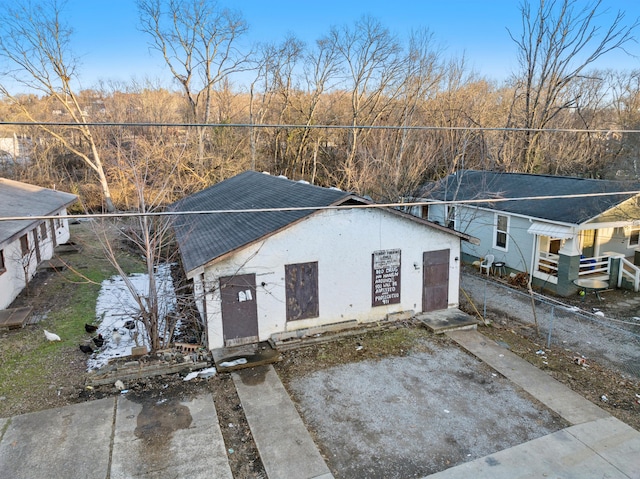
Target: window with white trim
{"x":501,"y":232}
{"x":634,"y":237}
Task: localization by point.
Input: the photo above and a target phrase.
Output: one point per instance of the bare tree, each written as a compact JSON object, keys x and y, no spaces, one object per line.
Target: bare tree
{"x":401,"y":157}
{"x":559,"y":40}
{"x":371,"y":63}
{"x":28,"y":256}
{"x":150,"y":236}
{"x":35,"y":43}
{"x":320,"y":71}
{"x":626,"y":106}
{"x":271,"y":92}
{"x":197,"y":40}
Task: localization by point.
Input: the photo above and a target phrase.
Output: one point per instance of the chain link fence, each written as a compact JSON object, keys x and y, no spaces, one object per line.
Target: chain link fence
{"x":587,"y":331}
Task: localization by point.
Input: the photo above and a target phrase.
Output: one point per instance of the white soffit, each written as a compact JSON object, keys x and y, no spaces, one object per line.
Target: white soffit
{"x":551,"y":230}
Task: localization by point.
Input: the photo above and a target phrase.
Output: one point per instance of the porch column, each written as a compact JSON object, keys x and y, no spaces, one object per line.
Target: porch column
{"x":568,"y":267}
{"x":614,"y":270}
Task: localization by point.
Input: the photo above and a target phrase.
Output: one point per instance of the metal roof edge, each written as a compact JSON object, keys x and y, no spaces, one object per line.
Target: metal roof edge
{"x":30,"y":224}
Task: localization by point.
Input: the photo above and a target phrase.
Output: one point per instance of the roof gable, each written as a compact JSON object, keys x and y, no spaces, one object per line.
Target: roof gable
{"x":479,"y":185}
{"x":22,"y":199}
{"x":204,"y":237}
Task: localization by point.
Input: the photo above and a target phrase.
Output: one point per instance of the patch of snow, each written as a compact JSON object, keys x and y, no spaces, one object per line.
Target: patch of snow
{"x":235,"y":362}
{"x":116,"y":305}
{"x":207,"y":373}
{"x":190,"y":376}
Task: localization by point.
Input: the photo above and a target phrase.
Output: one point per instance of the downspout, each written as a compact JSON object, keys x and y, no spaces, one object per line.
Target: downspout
{"x":529,"y":288}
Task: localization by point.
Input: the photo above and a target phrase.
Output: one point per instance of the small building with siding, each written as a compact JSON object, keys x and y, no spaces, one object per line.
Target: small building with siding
{"x":24,"y":244}
{"x":268,"y":255}
{"x":557,"y":229}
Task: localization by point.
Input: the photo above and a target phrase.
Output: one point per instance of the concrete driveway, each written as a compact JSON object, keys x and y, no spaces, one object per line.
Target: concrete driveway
{"x":116,"y":438}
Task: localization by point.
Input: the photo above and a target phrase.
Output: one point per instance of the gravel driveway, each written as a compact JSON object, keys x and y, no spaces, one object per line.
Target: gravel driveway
{"x":414,"y":415}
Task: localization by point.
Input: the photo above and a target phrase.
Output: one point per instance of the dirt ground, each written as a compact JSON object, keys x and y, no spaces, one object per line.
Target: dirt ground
{"x":610,"y":373}
{"x":591,"y":380}
{"x":605,"y":331}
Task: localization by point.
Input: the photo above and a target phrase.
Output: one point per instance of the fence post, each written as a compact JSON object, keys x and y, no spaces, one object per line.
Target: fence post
{"x":550,"y":327}
{"x":484,"y":303}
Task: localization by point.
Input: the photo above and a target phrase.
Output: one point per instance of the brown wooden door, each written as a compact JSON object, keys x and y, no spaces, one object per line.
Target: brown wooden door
{"x":239,"y":309}
{"x":435,"y":280}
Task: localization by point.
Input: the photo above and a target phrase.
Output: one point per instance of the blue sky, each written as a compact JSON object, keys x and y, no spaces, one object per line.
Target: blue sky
{"x":111,"y":47}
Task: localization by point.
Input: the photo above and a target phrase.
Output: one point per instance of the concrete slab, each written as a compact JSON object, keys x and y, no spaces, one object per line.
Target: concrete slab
{"x":14,"y":318}
{"x":156,"y":438}
{"x":557,"y":455}
{"x":254,"y":355}
{"x":70,"y":442}
{"x":285,"y":446}
{"x":555,"y":395}
{"x":613,"y":440}
{"x":447,"y":320}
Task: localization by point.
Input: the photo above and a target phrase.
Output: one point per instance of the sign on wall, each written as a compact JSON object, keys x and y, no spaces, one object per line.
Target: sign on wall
{"x":386,"y":277}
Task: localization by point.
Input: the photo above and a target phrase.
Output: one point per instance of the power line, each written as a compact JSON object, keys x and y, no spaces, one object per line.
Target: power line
{"x":316,"y":208}
{"x":315,"y":126}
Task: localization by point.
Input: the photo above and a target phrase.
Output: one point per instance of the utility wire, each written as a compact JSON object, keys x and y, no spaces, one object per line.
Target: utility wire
{"x":326,"y":127}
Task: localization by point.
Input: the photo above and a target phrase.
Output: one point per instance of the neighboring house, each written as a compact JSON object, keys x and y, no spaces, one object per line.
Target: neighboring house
{"x":555,"y":240}
{"x":14,"y":150}
{"x":25,"y":243}
{"x":262,"y":273}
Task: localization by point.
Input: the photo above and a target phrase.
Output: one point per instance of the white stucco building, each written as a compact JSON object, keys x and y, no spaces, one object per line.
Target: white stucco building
{"x":326,"y":260}
{"x":26,"y":243}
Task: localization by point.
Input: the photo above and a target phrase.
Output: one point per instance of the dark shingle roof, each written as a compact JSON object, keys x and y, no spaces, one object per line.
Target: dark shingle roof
{"x":22,"y":199}
{"x":204,"y":237}
{"x":474,"y":185}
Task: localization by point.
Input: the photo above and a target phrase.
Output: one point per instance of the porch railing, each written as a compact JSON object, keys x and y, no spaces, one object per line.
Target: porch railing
{"x":598,"y":265}
{"x":629,"y":271}
{"x":548,"y":263}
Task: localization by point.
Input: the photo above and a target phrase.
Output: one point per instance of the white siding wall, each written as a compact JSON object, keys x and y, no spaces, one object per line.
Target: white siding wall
{"x":12,"y":281}
{"x":198,"y":289}
{"x":342,"y":242}
{"x":481,"y":225}
{"x":522,"y":244}
{"x":615,"y":240}
{"x":62,"y":231}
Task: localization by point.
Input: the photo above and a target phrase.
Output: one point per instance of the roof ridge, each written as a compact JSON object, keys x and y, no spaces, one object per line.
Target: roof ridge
{"x":543,"y":175}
